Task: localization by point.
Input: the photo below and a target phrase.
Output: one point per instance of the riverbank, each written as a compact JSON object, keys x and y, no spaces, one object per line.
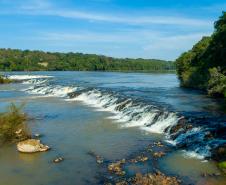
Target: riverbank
{"x":55,"y":61}
{"x":203,"y":67}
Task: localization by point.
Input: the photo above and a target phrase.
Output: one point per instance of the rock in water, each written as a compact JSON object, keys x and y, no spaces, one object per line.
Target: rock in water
{"x":31,"y":146}
{"x":37,"y":135}
{"x":58,"y":160}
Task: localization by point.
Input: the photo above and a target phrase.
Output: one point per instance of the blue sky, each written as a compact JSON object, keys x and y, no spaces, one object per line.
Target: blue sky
{"x":160,"y":29}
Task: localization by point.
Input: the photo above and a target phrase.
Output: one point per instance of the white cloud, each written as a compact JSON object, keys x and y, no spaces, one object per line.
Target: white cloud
{"x":46,"y":8}
{"x":128,"y":36}
{"x":169,"y":36}
{"x":142,"y":43}
{"x":177,"y":41}
{"x":172,"y":46}
{"x":133,"y":20}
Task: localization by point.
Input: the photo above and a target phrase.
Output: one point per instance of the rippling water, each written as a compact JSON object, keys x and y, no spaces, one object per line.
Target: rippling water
{"x":114,"y":115}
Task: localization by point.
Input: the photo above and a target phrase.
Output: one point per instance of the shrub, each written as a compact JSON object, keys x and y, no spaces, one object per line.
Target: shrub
{"x":217,"y":83}
{"x":204,"y":66}
{"x":13,"y":125}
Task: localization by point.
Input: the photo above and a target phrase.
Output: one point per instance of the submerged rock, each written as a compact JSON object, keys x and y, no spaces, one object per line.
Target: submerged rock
{"x":31,"y":146}
{"x":154,"y":179}
{"x":219,"y":153}
{"x":158,"y":144}
{"x":159,"y":154}
{"x":121,"y":183}
{"x":77,"y":93}
{"x":58,"y":160}
{"x":74,"y":94}
{"x":99,"y":159}
{"x":139,"y":158}
{"x":210,"y":174}
{"x":122,"y":105}
{"x":37,"y":135}
{"x":117,"y":167}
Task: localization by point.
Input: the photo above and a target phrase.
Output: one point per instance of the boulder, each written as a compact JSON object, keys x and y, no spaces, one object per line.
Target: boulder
{"x":219,"y":153}
{"x":31,"y":146}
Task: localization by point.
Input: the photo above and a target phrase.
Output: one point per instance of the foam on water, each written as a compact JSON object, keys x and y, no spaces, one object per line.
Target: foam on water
{"x":27,"y":77}
{"x":192,"y":154}
{"x":131,"y":113}
{"x":149,"y":118}
{"x":35,"y":81}
{"x":51,"y":91}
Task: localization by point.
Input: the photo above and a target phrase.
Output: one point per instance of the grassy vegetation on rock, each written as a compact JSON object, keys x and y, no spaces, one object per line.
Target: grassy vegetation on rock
{"x":13,"y":125}
{"x":5,"y":80}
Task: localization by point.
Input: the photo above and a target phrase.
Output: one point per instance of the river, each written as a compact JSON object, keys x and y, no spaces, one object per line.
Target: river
{"x":114,"y":115}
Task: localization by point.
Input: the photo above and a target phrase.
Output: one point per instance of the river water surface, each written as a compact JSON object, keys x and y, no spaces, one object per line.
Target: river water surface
{"x":113,"y":115}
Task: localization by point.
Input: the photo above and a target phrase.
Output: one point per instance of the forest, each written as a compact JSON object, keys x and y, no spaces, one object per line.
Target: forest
{"x":204,"y":66}
{"x":19,"y":60}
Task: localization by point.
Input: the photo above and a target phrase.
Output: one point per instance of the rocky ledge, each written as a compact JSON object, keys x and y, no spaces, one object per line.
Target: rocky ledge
{"x":155,"y":178}
{"x":31,"y":146}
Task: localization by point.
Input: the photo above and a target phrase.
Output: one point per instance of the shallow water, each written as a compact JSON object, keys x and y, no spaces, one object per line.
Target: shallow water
{"x":72,"y":127}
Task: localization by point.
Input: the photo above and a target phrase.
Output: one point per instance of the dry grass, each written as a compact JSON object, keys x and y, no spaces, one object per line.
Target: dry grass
{"x":13,"y":125}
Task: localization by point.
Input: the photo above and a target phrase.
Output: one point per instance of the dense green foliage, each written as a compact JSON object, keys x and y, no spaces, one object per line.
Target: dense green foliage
{"x":13,"y":125}
{"x":18,"y":60}
{"x":204,"y":66}
{"x":222,"y":165}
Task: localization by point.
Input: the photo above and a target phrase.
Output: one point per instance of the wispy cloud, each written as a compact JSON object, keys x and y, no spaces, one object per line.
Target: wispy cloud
{"x":179,"y":41}
{"x":161,"y":33}
{"x":133,"y":20}
{"x":45,"y":8}
{"x":147,"y":44}
{"x":128,"y":36}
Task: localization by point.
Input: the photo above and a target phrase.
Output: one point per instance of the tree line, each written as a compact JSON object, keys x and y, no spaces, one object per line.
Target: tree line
{"x":26,"y":60}
{"x":204,"y":66}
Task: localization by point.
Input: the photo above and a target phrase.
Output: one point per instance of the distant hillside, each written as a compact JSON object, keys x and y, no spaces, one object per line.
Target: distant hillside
{"x":18,"y":60}
{"x":204,"y":66}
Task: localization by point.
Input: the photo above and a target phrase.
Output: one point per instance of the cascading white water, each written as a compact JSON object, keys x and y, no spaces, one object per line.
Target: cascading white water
{"x":27,"y":77}
{"x":145,"y":117}
{"x":126,"y":112}
{"x":131,"y":114}
{"x":51,"y":91}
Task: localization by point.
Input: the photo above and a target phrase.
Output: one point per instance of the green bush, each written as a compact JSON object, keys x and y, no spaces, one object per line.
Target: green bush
{"x":217,"y":83}
{"x":222,"y":166}
{"x":13,"y":125}
{"x":204,"y":66}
